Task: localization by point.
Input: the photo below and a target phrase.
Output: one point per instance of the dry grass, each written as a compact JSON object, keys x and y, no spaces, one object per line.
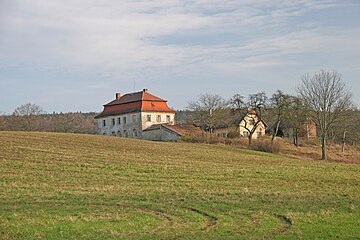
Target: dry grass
{"x":95,"y":187}
{"x":311,"y":150}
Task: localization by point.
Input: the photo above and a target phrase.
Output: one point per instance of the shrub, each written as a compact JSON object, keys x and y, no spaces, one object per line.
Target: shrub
{"x":233,"y":134}
{"x":189,"y":138}
{"x":264,"y":145}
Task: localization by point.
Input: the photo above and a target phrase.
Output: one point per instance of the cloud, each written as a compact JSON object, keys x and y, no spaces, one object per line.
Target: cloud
{"x":161,"y":38}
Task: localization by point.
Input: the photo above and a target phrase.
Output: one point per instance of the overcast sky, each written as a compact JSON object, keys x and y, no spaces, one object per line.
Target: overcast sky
{"x":73,"y":55}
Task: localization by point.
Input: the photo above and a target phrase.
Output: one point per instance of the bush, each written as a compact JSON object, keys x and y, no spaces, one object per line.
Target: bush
{"x":233,"y":134}
{"x":189,"y":139}
{"x":264,"y":145}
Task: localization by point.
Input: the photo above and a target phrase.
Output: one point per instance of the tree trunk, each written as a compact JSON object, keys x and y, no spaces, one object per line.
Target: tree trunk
{"x":332,"y":136}
{"x":343,"y":141}
{"x":275,"y":132}
{"x":250,"y":139}
{"x":323,"y":147}
{"x":296,"y":137}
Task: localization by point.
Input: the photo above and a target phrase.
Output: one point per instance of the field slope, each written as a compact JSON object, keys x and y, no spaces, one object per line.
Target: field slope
{"x":94,"y":187}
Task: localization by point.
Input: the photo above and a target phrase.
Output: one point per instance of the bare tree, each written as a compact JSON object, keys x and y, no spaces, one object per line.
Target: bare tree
{"x":71,"y":122}
{"x":237,"y":103}
{"x":347,"y":129}
{"x":279,"y":103}
{"x":2,"y":122}
{"x":256,"y":105}
{"x":327,"y":98}
{"x":210,"y":109}
{"x":297,"y":118}
{"x":27,"y":115}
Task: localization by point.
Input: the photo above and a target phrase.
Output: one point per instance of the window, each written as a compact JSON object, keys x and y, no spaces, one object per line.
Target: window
{"x":113,"y":121}
{"x":119,"y":121}
{"x":124,"y":120}
{"x":158,"y":118}
{"x":167,"y":118}
{"x":119,"y":133}
{"x":251,"y":122}
{"x":113,"y":134}
{"x":134,"y":133}
{"x":125,"y":133}
{"x":245,"y":133}
{"x":104,"y":123}
{"x":133,"y":118}
{"x":148,"y":118}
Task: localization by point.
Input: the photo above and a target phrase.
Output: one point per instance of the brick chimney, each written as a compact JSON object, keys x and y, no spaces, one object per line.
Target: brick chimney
{"x":117,"y":96}
{"x":145,"y":90}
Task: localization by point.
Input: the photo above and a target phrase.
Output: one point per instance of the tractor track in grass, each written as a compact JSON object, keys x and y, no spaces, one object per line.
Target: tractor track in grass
{"x":212,"y":220}
{"x":157,"y":212}
{"x":167,"y":217}
{"x":286,"y":223}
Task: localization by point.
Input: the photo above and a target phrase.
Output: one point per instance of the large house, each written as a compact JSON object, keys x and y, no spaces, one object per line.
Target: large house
{"x":129,"y":115}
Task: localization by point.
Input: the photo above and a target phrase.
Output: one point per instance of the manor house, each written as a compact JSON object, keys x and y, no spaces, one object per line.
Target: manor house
{"x":129,"y":115}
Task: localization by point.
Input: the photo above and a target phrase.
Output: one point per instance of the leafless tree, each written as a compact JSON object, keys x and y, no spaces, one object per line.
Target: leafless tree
{"x":256,"y":105}
{"x":237,"y":103}
{"x":297,"y":118}
{"x":210,"y":109}
{"x":280,"y":105}
{"x":2,"y":122}
{"x":71,"y":122}
{"x":27,"y":115}
{"x":347,"y":129}
{"x":327,"y":98}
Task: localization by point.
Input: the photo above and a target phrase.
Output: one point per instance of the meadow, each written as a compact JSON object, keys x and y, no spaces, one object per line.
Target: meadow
{"x":73,"y":186}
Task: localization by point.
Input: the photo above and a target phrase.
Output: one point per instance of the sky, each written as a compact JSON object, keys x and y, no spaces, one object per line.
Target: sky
{"x":73,"y":55}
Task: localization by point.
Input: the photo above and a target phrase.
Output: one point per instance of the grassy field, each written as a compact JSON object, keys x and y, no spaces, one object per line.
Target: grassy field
{"x":94,"y":187}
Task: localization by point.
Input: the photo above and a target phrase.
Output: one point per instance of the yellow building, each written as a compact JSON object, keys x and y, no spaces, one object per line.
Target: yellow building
{"x":248,"y":123}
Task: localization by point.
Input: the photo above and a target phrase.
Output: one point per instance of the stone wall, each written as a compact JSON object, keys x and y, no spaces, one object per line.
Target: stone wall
{"x":160,"y":134}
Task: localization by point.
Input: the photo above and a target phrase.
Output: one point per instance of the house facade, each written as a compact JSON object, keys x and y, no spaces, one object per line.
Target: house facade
{"x":248,"y":123}
{"x":242,"y":127}
{"x":130,"y":114}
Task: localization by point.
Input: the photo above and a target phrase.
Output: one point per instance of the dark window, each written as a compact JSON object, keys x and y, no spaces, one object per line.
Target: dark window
{"x":167,"y":118}
{"x":158,"y":118}
{"x":148,"y":118}
{"x":119,"y":121}
{"x":124,"y":120}
{"x":104,"y":123}
{"x":113,"y":121}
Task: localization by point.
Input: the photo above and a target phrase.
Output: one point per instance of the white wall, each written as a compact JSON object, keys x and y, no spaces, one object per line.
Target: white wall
{"x":138,"y":125}
{"x":146,"y":124}
{"x":132,"y":127}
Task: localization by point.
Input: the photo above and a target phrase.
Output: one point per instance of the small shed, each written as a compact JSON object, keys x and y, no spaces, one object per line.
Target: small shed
{"x":164,"y":132}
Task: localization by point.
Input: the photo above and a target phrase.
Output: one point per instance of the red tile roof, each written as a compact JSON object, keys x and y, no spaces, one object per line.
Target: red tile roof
{"x":135,"y":97}
{"x":135,"y":102}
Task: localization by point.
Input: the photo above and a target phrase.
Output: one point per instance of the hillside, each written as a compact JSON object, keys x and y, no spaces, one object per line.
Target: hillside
{"x":94,"y":187}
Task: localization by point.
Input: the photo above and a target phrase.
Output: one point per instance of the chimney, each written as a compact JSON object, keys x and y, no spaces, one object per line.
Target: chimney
{"x":145,"y":90}
{"x":117,"y":96}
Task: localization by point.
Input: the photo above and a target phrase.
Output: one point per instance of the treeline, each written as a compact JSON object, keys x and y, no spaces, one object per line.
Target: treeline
{"x":31,"y":117}
{"x":322,"y":101}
